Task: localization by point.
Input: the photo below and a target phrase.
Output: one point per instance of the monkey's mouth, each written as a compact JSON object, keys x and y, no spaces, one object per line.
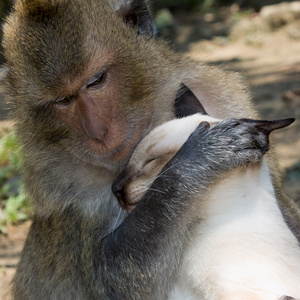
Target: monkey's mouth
{"x":123,"y":144}
{"x":121,"y":152}
{"x":95,"y":152}
{"x":105,"y":150}
{"x":126,"y":148}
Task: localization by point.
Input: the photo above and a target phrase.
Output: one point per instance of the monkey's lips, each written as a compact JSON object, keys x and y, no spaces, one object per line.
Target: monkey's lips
{"x":110,"y":148}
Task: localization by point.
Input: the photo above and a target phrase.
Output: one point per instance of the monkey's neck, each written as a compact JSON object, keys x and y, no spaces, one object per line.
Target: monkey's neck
{"x":58,"y":184}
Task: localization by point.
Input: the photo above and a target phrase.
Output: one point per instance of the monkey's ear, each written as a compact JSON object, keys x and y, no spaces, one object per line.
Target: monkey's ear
{"x":186,"y":103}
{"x":136,"y":14}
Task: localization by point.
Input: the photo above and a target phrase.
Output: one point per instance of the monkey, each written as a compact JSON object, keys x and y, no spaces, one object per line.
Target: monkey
{"x":240,"y":228}
{"x":86,"y":81}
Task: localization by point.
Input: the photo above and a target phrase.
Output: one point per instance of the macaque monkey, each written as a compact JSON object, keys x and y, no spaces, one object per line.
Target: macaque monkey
{"x":241,"y":246}
{"x":87,"y":81}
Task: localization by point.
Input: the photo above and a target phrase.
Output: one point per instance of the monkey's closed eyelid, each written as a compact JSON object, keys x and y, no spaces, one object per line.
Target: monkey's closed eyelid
{"x":96,"y":80}
{"x":65,"y":101}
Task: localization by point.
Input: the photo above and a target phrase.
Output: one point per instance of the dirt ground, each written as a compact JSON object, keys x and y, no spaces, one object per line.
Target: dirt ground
{"x":270,"y":63}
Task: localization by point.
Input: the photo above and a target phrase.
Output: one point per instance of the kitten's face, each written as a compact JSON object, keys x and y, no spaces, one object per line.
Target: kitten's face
{"x":151,"y":155}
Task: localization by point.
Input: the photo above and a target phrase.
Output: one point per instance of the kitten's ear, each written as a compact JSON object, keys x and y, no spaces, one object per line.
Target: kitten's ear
{"x":266,"y":127}
{"x":136,"y":14}
{"x":186,"y":103}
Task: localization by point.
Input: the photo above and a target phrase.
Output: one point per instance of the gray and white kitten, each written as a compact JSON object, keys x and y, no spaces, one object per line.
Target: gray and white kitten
{"x":242,"y":247}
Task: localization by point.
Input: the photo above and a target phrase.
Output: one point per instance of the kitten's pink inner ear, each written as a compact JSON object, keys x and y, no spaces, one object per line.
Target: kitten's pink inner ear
{"x":186,"y":103}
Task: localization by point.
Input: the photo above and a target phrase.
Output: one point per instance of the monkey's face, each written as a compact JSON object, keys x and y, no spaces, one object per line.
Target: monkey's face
{"x":107,"y":113}
{"x":80,"y":77}
{"x":151,"y":155}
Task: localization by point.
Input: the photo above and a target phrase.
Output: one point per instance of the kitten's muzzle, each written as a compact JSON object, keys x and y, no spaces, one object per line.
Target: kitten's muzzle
{"x":119,"y":189}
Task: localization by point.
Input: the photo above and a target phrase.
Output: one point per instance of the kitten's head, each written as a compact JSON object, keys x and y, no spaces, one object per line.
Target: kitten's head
{"x":161,"y":144}
{"x":151,"y":155}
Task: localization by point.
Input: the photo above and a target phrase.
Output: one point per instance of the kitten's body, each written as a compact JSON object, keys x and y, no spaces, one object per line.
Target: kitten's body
{"x":242,"y":248}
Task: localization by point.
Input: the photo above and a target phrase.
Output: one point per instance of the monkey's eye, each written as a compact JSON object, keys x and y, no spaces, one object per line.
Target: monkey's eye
{"x":97,"y":80}
{"x":64,"y":101}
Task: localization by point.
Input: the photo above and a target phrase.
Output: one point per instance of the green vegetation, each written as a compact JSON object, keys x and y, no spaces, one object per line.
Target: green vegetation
{"x":13,"y":203}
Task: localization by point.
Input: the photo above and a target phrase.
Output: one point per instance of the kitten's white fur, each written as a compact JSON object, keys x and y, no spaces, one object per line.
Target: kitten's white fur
{"x":242,"y":249}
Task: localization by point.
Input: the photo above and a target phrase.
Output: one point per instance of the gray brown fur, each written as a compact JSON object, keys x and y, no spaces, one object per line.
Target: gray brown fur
{"x":70,"y":253}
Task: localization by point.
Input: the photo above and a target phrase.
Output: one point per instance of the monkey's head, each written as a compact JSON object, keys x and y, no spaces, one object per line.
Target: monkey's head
{"x":83,"y":76}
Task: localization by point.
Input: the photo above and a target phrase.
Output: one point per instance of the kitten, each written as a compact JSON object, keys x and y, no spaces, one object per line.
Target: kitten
{"x":241,"y":248}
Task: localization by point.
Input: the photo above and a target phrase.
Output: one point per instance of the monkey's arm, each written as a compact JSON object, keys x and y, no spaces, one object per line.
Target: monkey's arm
{"x":145,"y":258}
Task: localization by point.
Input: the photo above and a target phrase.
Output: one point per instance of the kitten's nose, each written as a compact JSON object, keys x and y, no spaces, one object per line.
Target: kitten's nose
{"x":118,"y":188}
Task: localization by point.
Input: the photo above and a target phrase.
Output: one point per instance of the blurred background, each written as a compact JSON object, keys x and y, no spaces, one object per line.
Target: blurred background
{"x":258,"y":38}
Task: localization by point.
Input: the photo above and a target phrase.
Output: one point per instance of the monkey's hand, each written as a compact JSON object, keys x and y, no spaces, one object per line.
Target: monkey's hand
{"x":229,"y":144}
{"x":211,"y":152}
